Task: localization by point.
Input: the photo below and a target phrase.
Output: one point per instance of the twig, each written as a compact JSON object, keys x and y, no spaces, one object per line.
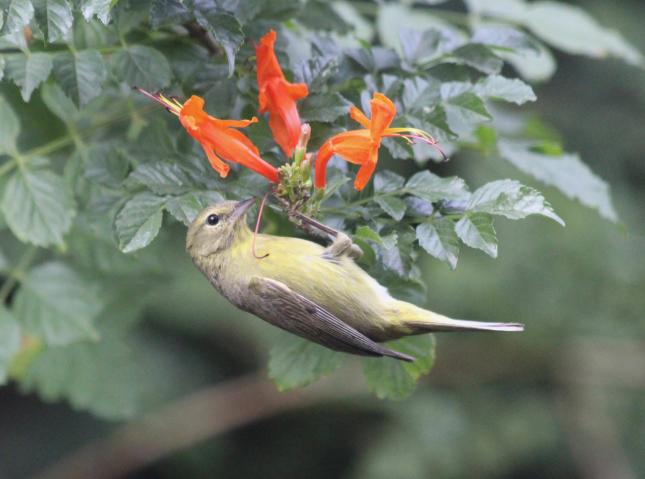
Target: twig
{"x":302,"y":219}
{"x":194,"y":418}
{"x":199,"y":33}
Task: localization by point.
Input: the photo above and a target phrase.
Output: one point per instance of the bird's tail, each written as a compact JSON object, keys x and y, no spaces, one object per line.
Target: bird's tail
{"x":423,"y":321}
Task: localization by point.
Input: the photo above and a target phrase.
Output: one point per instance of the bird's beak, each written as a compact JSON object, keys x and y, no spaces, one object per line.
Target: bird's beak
{"x":242,"y":207}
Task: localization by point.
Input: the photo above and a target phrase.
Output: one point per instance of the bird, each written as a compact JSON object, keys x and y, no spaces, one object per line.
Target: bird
{"x":316,"y":292}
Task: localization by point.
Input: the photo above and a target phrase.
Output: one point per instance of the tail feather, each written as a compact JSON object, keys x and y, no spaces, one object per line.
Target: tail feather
{"x":447,"y":324}
{"x":423,"y":321}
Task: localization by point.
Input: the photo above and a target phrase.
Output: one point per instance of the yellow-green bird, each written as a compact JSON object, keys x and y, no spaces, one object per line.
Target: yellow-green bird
{"x":315,"y":292}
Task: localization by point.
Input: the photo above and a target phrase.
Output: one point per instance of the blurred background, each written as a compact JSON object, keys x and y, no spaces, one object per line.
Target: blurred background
{"x":565,"y":399}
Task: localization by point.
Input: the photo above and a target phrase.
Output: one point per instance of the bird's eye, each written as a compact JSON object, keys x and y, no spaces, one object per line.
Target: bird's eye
{"x":212,"y":219}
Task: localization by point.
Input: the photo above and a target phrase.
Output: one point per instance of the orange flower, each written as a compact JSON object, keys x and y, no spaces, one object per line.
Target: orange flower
{"x":217,"y":137}
{"x":361,"y":146}
{"x":278,"y":96}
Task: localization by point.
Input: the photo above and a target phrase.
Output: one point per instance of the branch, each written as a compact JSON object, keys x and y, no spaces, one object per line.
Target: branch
{"x":194,"y":418}
{"x":199,"y":33}
{"x":307,"y":224}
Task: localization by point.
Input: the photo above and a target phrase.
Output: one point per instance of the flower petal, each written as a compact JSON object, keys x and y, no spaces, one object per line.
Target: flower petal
{"x":383,"y":112}
{"x":359,"y":117}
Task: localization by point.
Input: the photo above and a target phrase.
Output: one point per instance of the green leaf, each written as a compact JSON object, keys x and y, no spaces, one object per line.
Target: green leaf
{"x":469,"y":107}
{"x":4,"y":262}
{"x":54,"y":18}
{"x":573,"y":30}
{"x":168,"y":12}
{"x":142,"y":66}
{"x":477,"y":231}
{"x":98,"y":8}
{"x":18,"y":14}
{"x":323,"y":107}
{"x":393,"y":379}
{"x":139,"y":221}
{"x":105,"y":164}
{"x":511,"y":199}
{"x":163,"y":178}
{"x":28,"y":71}
{"x":9,"y":341}
{"x":507,"y":89}
{"x":392,"y":205}
{"x":38,"y":206}
{"x":185,"y":208}
{"x":95,"y":376}
{"x":479,"y":57}
{"x":503,"y":36}
{"x":566,"y":172}
{"x":80,"y":75}
{"x":440,"y":240}
{"x":296,"y":362}
{"x":225,"y":29}
{"x":57,"y":305}
{"x":58,"y":103}
{"x":366,"y":233}
{"x":387,"y":182}
{"x":419,"y":46}
{"x":431,"y":187}
{"x":9,"y":127}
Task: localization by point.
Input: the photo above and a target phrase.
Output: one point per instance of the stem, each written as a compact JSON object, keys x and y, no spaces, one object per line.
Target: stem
{"x":293,"y":213}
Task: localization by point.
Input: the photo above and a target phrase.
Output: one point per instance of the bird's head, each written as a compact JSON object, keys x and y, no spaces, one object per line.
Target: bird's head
{"x":217,"y":227}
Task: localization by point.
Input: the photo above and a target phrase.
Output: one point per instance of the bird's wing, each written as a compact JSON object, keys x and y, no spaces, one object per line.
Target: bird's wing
{"x":283,"y":307}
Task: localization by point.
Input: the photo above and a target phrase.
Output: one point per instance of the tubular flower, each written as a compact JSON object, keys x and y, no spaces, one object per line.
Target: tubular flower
{"x":361,"y":146}
{"x":278,"y":96}
{"x":218,"y":138}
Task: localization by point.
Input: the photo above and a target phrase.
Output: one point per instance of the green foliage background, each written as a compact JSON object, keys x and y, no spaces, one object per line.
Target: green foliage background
{"x":100,"y":316}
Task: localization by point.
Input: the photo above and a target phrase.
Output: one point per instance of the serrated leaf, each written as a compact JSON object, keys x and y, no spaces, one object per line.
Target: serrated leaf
{"x":469,"y":107}
{"x":392,"y":205}
{"x":18,"y":14}
{"x":80,"y":75}
{"x":440,"y":240}
{"x":98,"y":8}
{"x":57,"y":305}
{"x":105,"y":164}
{"x":297,"y":362}
{"x":567,"y":173}
{"x":185,"y":208}
{"x":366,"y":233}
{"x":38,"y":206}
{"x":225,"y":29}
{"x":4,"y":262}
{"x":418,"y":46}
{"x":323,"y":107}
{"x":93,"y":376}
{"x":511,"y":199}
{"x":503,"y":36}
{"x":507,"y":89}
{"x":387,"y":182}
{"x":163,"y":178}
{"x":9,"y":127}
{"x":54,"y":18}
{"x":139,"y":221}
{"x":479,"y":57}
{"x":393,"y":379}
{"x":142,"y":66}
{"x":163,"y":12}
{"x":431,"y":187}
{"x":9,"y":341}
{"x":58,"y":103}
{"x":573,"y":30}
{"x":477,"y":231}
{"x":28,"y":71}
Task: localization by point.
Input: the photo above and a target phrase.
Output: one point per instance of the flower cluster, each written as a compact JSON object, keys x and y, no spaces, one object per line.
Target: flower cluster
{"x":222,"y":142}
